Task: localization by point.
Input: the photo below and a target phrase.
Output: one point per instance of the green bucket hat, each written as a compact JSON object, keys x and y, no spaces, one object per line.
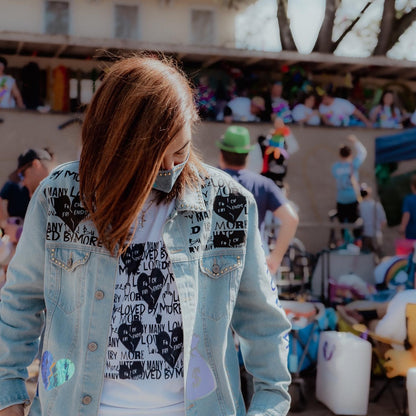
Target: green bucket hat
{"x":235,"y":140}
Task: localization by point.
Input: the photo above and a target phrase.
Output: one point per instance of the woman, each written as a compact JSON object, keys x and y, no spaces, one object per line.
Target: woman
{"x":144,"y":260}
{"x":305,"y":112}
{"x":386,"y":114}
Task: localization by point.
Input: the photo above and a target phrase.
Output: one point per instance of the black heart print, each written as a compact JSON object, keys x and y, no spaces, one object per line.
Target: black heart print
{"x":130,"y":334}
{"x":71,"y":213}
{"x":132,"y":258}
{"x":149,"y":287}
{"x":229,"y":207}
{"x":170,"y":347}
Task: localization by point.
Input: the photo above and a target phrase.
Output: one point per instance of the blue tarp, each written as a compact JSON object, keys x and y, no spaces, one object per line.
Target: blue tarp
{"x":397,"y":147}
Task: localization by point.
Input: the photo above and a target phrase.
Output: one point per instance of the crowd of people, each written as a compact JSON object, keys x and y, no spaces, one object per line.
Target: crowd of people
{"x":313,"y":106}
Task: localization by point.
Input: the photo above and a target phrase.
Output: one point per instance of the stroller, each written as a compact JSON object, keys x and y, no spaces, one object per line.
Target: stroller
{"x":308,"y":319}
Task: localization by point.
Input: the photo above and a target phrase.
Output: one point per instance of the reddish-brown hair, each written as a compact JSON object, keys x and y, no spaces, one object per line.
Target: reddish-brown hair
{"x":142,"y":103}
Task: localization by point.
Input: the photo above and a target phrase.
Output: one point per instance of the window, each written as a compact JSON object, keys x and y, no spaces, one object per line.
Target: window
{"x":57,"y":17}
{"x":202,"y":27}
{"x":126,"y":18}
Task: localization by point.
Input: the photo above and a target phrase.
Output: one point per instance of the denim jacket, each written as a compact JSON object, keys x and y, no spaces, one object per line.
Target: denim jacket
{"x":62,"y":278}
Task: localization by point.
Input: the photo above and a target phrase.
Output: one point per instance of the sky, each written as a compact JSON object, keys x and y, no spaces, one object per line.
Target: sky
{"x":257,"y":27}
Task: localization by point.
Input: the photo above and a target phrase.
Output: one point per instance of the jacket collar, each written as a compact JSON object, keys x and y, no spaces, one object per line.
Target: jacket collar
{"x":191,"y":200}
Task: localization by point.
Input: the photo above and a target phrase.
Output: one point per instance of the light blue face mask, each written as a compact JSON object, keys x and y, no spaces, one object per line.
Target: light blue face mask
{"x":165,"y":179}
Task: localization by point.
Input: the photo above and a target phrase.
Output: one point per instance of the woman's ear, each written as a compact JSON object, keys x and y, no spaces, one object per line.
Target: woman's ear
{"x":36,"y":163}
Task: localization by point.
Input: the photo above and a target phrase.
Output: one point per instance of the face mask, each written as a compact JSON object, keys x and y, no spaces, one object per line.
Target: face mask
{"x":165,"y":179}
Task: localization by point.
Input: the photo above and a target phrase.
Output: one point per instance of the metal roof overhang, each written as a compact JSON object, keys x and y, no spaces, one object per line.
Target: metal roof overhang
{"x":80,"y":48}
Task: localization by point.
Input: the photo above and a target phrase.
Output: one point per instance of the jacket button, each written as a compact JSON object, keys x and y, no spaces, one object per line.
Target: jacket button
{"x":92,"y":346}
{"x":99,"y":294}
{"x":87,"y":399}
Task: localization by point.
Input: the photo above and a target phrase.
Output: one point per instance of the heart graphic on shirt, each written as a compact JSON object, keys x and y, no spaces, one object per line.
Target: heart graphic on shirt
{"x":70,"y":213}
{"x":132,"y":258}
{"x":130,"y":334}
{"x":229,"y":207}
{"x":170,"y":347}
{"x":132,"y":371}
{"x":149,"y":287}
{"x":56,"y":373}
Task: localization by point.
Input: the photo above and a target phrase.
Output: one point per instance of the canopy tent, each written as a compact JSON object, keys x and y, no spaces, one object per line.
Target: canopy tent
{"x":392,"y":189}
{"x":397,"y":147}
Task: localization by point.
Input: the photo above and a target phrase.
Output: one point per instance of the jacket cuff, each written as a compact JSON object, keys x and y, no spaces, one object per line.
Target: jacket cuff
{"x":13,"y":391}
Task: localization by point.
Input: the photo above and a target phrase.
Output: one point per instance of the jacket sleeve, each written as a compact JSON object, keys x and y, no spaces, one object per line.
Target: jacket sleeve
{"x":263,"y":328}
{"x":22,"y":305}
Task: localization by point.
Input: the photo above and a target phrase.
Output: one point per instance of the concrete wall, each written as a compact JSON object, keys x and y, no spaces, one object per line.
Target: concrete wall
{"x":312,"y":187}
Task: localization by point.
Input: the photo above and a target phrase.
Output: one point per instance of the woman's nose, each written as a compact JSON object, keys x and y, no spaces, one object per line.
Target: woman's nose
{"x":168,"y":163}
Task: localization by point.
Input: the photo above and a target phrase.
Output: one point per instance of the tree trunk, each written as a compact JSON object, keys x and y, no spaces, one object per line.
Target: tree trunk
{"x":324,"y":41}
{"x":286,"y":38}
{"x":386,"y":28}
{"x":401,"y":25}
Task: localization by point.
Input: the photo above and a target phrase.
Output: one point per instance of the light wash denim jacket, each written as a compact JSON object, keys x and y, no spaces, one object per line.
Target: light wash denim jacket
{"x":61,"y":267}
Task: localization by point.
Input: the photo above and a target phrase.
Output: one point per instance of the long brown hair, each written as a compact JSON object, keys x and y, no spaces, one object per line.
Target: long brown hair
{"x":142,"y":103}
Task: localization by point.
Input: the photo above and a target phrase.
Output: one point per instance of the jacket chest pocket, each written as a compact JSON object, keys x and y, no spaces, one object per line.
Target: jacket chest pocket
{"x":220,"y":277}
{"x":67,"y":278}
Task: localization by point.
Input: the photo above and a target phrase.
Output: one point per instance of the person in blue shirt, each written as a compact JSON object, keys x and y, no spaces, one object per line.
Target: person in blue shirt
{"x":346,"y":174}
{"x":234,"y":149}
{"x":408,"y":222}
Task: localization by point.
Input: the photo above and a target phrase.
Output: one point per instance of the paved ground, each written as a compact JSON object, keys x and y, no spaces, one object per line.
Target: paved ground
{"x":384,"y":406}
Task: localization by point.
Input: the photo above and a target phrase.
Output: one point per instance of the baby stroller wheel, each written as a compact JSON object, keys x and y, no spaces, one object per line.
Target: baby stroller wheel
{"x":297,"y":393}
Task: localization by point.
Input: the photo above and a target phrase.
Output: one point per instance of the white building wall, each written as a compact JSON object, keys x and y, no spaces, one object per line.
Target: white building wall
{"x":22,"y":16}
{"x":160,"y":21}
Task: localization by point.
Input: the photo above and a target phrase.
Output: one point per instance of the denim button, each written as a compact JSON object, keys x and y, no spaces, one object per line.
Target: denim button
{"x":99,"y":294}
{"x":92,"y":346}
{"x":215,"y":269}
{"x":87,"y":399}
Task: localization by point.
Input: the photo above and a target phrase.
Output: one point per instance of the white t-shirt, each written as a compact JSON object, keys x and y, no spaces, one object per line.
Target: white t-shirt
{"x":144,"y":361}
{"x":373,"y":216}
{"x":6,"y":98}
{"x":338,"y":113}
{"x":241,"y":108}
{"x":301,"y":111}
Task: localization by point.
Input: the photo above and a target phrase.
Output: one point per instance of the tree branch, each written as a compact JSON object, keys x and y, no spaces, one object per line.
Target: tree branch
{"x":400,"y":26}
{"x":350,"y":26}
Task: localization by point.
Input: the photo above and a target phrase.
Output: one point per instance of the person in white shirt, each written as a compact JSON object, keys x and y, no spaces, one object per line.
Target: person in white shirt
{"x":242,"y":109}
{"x":9,"y":92}
{"x":374,"y":220}
{"x":305,"y":112}
{"x":337,"y":111}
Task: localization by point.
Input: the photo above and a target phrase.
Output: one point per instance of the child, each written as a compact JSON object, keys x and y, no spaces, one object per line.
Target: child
{"x":374,"y":219}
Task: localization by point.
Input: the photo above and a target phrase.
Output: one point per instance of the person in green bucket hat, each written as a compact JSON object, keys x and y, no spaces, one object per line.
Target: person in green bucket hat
{"x":236,"y":140}
{"x":234,"y":150}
